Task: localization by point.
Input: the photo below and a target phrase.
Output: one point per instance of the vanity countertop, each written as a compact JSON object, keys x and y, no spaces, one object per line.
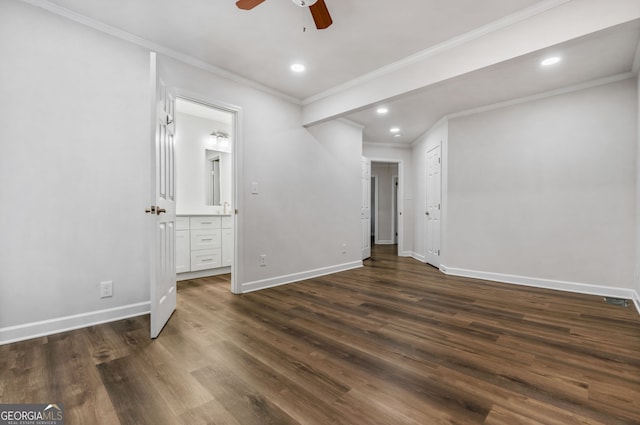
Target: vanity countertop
{"x":182,"y":214}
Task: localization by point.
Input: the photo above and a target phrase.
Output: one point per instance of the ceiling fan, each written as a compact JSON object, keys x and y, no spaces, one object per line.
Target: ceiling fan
{"x":318,"y":9}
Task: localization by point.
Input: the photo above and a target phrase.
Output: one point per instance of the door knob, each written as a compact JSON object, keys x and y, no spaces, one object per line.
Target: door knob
{"x":427,"y":213}
{"x":161,"y":210}
{"x":151,"y":210}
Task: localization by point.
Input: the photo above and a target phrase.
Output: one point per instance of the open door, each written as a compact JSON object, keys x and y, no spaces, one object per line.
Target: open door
{"x":365,"y":214}
{"x":162,"y":236}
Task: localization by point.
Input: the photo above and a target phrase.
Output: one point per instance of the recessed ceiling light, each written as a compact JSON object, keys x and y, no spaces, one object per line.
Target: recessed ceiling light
{"x":382,"y":110}
{"x":550,"y":61}
{"x":298,"y":67}
{"x":394,"y":130}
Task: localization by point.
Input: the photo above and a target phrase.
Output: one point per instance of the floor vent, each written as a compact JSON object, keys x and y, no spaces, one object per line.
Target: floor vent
{"x":617,"y":301}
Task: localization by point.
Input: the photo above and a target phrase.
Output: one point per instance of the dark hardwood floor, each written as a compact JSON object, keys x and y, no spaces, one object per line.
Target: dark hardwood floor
{"x":395,"y":342}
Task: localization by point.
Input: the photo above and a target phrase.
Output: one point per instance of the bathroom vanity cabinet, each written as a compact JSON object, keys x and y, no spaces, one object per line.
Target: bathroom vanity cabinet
{"x":204,"y":245}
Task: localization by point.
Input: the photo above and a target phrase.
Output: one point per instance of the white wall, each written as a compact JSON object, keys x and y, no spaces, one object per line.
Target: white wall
{"x":546,"y":189}
{"x":192,"y":140}
{"x":308,"y":180}
{"x":436,"y":136}
{"x":74,"y":166}
{"x":403,"y":157}
{"x":384,"y":171}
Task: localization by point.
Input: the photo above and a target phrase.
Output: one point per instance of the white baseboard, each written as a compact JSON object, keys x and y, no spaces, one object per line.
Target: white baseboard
{"x":68,"y":323}
{"x":203,"y":273}
{"x":384,"y":243}
{"x":581,"y":288}
{"x":418,"y":257}
{"x":296,"y":277}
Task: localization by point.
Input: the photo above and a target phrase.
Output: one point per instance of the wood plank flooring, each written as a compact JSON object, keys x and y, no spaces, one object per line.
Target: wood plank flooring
{"x":395,"y":342}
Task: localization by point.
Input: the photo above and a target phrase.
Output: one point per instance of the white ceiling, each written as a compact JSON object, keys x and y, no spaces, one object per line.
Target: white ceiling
{"x":599,"y":55}
{"x":260,"y":45}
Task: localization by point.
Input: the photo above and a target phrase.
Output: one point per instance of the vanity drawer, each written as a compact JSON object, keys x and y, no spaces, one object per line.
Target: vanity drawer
{"x":227,"y":222}
{"x":205,"y":222}
{"x":205,"y":239}
{"x":205,"y":259}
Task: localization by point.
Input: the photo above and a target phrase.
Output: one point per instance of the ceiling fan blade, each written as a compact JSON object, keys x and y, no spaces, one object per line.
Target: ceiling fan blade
{"x":248,"y":4}
{"x":321,"y":15}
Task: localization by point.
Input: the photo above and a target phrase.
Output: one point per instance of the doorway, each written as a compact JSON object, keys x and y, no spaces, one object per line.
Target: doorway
{"x":386,"y":207}
{"x":206,"y":136}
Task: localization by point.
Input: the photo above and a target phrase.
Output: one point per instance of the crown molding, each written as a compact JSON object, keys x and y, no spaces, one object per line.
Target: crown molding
{"x":163,"y":50}
{"x":636,"y":61}
{"x":351,"y":123}
{"x":507,"y":21}
{"x":544,"y":95}
{"x":442,"y":121}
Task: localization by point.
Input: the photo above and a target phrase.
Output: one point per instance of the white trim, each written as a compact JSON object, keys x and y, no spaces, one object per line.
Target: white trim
{"x":388,"y":145}
{"x":203,"y":273}
{"x":418,"y":257}
{"x":424,"y":135}
{"x":636,"y":301}
{"x":296,"y":277}
{"x":18,"y":333}
{"x":395,"y":194}
{"x":379,"y":242}
{"x":351,"y":123}
{"x":405,"y":254}
{"x":558,"y":285}
{"x":507,"y":21}
{"x":543,"y":95}
{"x":376,"y":208}
{"x":636,"y":60}
{"x":142,"y":42}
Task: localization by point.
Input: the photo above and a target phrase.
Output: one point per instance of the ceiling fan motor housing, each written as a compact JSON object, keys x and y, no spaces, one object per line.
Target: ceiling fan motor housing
{"x":304,"y":3}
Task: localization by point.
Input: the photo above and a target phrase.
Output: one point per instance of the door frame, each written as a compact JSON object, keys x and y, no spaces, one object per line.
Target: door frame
{"x":374,"y":207}
{"x":395,"y":180}
{"x":400,"y":213}
{"x":236,"y":163}
{"x":437,"y":260}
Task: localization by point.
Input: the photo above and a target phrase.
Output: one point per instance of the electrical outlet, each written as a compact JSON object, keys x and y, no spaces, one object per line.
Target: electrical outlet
{"x":263,"y":260}
{"x":344,"y":248}
{"x":106,"y":289}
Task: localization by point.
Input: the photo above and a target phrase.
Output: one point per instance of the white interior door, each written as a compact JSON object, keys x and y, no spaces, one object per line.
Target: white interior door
{"x":162,"y":234}
{"x":434,"y":206}
{"x":365,"y":214}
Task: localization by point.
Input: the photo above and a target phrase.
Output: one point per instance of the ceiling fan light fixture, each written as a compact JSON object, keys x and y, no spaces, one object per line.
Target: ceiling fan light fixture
{"x":304,"y":3}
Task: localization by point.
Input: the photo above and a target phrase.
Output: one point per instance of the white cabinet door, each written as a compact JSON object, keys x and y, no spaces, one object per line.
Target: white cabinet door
{"x":183,"y":251}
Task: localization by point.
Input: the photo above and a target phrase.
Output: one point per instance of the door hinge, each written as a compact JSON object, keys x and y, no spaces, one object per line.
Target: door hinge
{"x":438,"y":253}
{"x":438,"y":160}
{"x":438,"y":206}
